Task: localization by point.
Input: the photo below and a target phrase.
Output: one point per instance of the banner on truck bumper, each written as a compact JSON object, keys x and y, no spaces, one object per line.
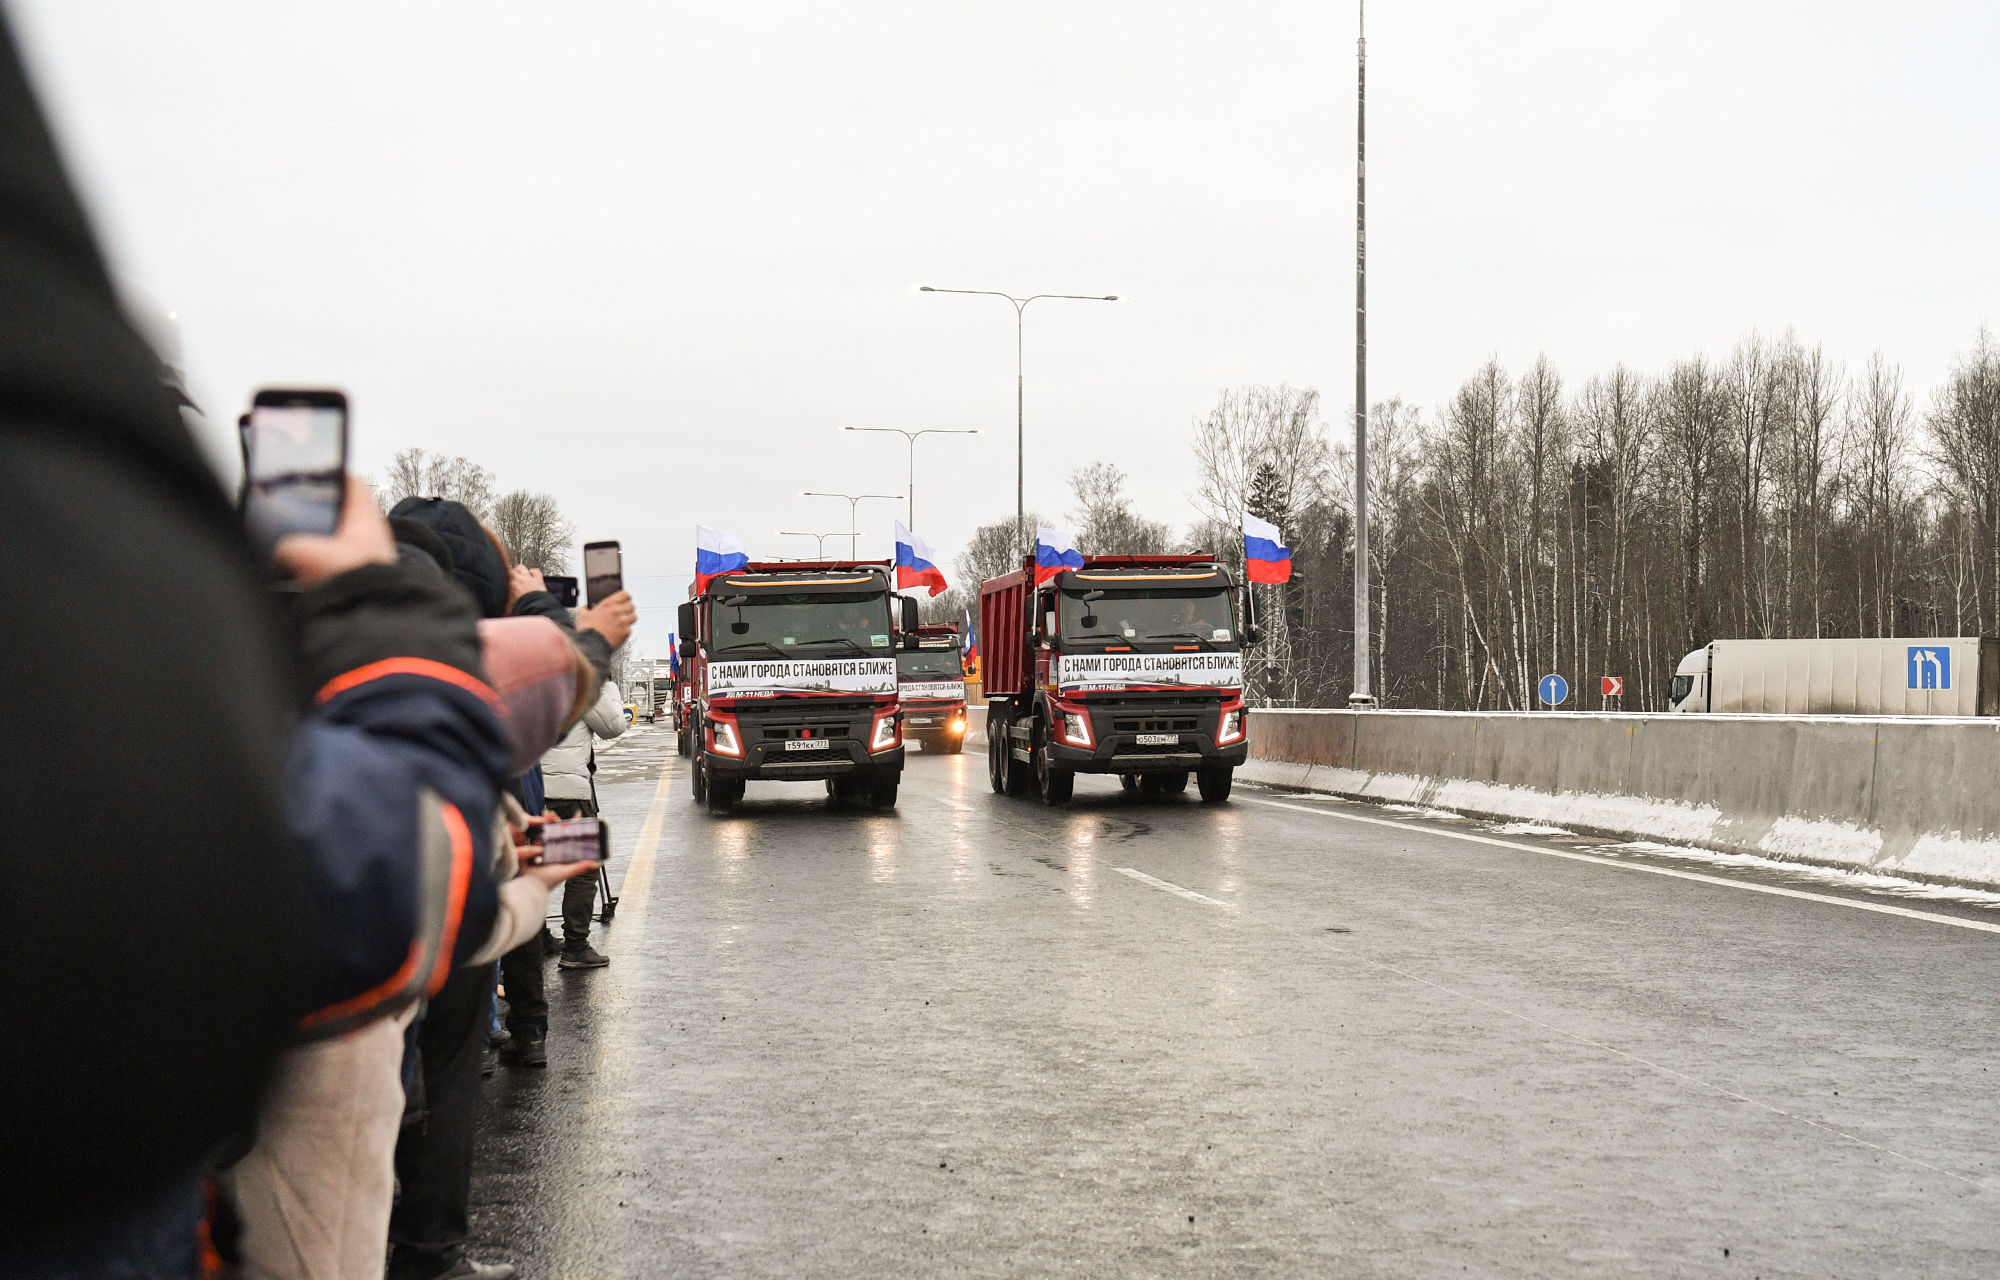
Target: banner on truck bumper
{"x":809,"y":675}
{"x":932,"y":690}
{"x":1085,"y":671}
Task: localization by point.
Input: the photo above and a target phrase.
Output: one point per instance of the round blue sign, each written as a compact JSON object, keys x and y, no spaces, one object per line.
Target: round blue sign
{"x":1555,"y":690}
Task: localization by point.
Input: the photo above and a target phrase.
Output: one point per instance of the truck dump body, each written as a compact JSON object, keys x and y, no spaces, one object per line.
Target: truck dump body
{"x":1904,"y":676}
{"x":1128,"y":665}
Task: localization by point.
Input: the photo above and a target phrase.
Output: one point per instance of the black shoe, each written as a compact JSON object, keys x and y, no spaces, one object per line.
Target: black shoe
{"x":549,"y":944}
{"x":582,"y":956}
{"x":419,"y":1267}
{"x":489,"y":1062}
{"x":500,"y":1039}
{"x":529,"y":1049}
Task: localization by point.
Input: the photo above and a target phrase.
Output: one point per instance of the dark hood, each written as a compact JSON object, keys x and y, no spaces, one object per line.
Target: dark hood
{"x":474,"y":562}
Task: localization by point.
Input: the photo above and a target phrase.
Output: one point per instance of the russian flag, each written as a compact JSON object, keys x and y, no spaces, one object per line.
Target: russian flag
{"x":716,"y":552}
{"x":1266,"y":559}
{"x":916,"y":563}
{"x":1053,"y":554}
{"x":971,"y":646}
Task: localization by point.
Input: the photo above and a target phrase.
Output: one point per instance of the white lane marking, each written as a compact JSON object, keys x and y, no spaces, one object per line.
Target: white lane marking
{"x":638,"y":883}
{"x":1174,"y":889}
{"x":1881,"y":907}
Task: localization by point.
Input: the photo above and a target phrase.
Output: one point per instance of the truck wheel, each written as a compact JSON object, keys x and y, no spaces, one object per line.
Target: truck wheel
{"x":723,"y":795}
{"x":883,"y":794}
{"x":1214,"y":783}
{"x":1129,"y":781}
{"x":1152,"y":784}
{"x":1020,"y":773}
{"x":1054,"y":783}
{"x":1174,"y":782}
{"x":952,"y":745}
{"x":698,"y":781}
{"x":845,"y":791}
{"x":996,"y":756}
{"x":681,"y":743}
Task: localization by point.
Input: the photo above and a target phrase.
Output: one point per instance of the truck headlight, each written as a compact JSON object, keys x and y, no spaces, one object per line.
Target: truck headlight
{"x":885,"y":733}
{"x":1076,"y":728}
{"x":722,"y":737}
{"x":1232,"y":726}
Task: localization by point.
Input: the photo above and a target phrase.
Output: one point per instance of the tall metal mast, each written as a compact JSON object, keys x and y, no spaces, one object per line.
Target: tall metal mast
{"x":1362,"y":632}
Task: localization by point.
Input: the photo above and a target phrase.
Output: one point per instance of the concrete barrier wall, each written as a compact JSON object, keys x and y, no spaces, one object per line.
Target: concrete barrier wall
{"x":1914,"y":798}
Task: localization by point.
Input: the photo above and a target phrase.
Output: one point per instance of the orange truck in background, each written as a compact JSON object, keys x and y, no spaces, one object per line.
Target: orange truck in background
{"x":931,"y":686}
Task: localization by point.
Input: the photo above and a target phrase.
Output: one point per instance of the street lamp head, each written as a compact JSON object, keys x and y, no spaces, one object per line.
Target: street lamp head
{"x":924,"y":288}
{"x":1112,"y":298}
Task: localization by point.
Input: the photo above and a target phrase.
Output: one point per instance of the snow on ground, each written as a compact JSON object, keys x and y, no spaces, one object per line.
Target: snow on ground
{"x":1528,"y":829}
{"x":1864,"y":880}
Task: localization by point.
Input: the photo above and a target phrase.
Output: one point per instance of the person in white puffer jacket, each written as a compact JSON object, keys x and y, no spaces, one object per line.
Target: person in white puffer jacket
{"x":566,"y":770}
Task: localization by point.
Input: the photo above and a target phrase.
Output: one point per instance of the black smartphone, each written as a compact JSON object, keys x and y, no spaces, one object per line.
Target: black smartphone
{"x":294,"y":464}
{"x":562,"y":588}
{"x":603,"y":571}
{"x":579,"y":840}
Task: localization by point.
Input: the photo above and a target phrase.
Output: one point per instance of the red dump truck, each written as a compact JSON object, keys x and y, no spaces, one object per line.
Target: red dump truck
{"x":791,"y":668}
{"x":932,"y":687}
{"x":1130,"y":665}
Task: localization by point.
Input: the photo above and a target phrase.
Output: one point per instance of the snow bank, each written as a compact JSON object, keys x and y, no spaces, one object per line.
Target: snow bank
{"x":1901,"y":797}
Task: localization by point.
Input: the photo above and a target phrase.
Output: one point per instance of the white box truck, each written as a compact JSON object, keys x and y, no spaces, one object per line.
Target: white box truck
{"x":1906,"y":676}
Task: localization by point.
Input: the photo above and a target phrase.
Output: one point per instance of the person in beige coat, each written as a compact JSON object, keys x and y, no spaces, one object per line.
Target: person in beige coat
{"x":566,"y":781}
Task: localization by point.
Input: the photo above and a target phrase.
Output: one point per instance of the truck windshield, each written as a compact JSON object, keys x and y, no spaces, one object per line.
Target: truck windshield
{"x":1681,"y":687}
{"x":803,"y":625}
{"x":929,"y":664}
{"x":1149,"y":614}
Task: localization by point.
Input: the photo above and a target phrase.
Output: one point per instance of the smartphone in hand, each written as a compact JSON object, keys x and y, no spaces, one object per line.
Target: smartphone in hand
{"x":562,"y":588}
{"x":558,"y":843}
{"x":603,"y":571}
{"x":294,"y":464}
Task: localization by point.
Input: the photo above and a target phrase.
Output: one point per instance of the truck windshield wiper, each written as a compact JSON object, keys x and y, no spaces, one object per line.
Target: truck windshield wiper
{"x":835,"y":640}
{"x":1174,"y":635}
{"x":771,"y":649}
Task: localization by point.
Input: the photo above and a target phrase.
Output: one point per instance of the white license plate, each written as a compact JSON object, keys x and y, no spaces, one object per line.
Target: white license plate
{"x":1159,"y":739}
{"x":805,"y":744}
{"x":918,"y":719}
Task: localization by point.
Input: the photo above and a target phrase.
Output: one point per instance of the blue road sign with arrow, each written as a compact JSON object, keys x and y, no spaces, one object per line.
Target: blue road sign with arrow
{"x":1555,"y":690}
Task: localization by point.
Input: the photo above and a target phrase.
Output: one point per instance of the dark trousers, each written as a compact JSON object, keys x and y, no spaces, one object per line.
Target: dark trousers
{"x":579,"y":895}
{"x":522,"y":972}
{"x":434,"y":1158}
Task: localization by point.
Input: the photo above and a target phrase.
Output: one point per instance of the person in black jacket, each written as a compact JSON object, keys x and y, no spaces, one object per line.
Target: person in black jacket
{"x":158,"y":904}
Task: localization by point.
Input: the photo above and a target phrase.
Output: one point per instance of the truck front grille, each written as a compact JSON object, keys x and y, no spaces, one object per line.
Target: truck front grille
{"x":781,"y":731}
{"x":1140,"y":724}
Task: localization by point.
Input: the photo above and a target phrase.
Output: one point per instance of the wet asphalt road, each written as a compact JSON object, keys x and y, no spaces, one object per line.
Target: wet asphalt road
{"x":966,"y":1039}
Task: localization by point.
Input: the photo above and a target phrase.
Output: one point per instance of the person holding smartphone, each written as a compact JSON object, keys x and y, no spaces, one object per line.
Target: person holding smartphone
{"x":571,"y":792}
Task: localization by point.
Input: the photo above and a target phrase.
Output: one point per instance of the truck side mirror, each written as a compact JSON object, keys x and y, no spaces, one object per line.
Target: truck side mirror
{"x":909,"y":616}
{"x":1253,"y":634}
{"x":690,"y":625}
{"x":687,"y":650}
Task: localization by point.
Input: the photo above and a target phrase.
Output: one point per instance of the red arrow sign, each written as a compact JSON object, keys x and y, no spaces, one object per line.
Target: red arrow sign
{"x":1613,"y":685}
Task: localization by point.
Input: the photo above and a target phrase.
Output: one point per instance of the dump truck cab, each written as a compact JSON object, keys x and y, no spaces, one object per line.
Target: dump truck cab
{"x":1129,"y":665}
{"x":792,"y":678}
{"x":931,"y":685}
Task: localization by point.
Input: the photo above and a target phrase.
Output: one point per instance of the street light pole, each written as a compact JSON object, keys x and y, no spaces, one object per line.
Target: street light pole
{"x":912,"y":437}
{"x":1361,"y":697}
{"x":1020,"y":437}
{"x":787,"y":533}
{"x":854,"y":501}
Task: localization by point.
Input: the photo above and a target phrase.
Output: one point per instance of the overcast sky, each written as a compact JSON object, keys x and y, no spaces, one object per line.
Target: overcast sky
{"x":650,"y":258}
